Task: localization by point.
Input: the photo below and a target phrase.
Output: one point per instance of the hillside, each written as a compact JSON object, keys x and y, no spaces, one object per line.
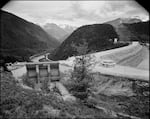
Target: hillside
{"x":55,"y":31}
{"x":97,"y":37}
{"x":20,"y":38}
{"x":20,"y":103}
{"x":126,"y":33}
{"x":140,"y":29}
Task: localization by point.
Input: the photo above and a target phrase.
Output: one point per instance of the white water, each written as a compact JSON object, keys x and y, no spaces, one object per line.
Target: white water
{"x":19,"y":72}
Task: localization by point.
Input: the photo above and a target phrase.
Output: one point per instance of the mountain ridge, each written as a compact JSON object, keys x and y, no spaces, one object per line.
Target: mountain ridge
{"x":55,"y":31}
{"x":59,"y":31}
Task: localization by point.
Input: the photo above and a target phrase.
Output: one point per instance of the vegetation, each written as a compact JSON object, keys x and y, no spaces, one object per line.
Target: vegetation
{"x":134,"y":104}
{"x":140,"y":30}
{"x":21,"y":39}
{"x":19,"y":103}
{"x":112,"y":95}
{"x":97,"y":37}
{"x":81,"y":79}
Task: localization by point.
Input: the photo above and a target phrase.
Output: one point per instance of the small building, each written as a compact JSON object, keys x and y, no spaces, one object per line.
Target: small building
{"x":115,"y":40}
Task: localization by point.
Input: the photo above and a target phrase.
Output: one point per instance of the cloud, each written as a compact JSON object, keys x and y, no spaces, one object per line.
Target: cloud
{"x":75,"y":12}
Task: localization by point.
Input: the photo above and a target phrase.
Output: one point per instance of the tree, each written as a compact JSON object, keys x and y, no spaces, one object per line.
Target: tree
{"x":81,"y":79}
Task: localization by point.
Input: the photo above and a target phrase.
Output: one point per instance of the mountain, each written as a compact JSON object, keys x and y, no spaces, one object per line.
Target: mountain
{"x":119,"y":21}
{"x":140,"y":30}
{"x":69,"y":29}
{"x":122,"y":30}
{"x":97,"y":37}
{"x":55,"y":31}
{"x":60,"y":32}
{"x":21,"y":39}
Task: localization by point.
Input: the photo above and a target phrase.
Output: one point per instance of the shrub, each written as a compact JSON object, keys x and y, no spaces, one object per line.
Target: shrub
{"x":80,"y":76}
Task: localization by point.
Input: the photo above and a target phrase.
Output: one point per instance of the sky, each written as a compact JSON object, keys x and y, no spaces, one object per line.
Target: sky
{"x":75,"y":13}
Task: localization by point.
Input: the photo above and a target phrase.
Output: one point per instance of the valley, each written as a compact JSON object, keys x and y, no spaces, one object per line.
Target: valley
{"x":58,"y":70}
{"x":21,"y":39}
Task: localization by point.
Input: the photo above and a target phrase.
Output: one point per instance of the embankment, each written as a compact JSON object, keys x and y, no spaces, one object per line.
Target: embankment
{"x":120,"y":54}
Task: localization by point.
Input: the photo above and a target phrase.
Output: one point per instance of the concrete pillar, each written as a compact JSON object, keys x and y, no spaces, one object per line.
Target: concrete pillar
{"x":38,"y":75}
{"x":48,"y":67}
{"x":49,"y":74}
